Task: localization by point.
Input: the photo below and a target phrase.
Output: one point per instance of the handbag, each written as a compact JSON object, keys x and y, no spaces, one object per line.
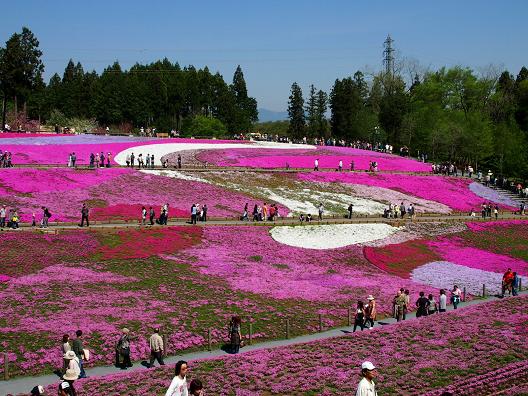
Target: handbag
{"x":86,"y":354}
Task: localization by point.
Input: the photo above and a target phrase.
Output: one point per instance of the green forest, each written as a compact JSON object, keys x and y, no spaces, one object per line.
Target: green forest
{"x":451,"y":114}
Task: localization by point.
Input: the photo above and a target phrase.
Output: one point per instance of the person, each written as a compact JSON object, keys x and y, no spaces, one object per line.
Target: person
{"x":321,"y":210}
{"x":92,"y":160}
{"x":3,"y":212}
{"x":65,"y":348}
{"x":359,"y":316}
{"x":496,"y":212}
{"x":128,"y":160}
{"x":235,"y":336}
{"x":152,"y":215}
{"x":245,"y":214}
{"x":204,"y":212}
{"x":73,"y":159}
{"x":108,"y":158}
{"x":152,"y":161}
{"x":84,"y":216}
{"x":97,"y":160}
{"x":422,"y":304}
{"x":407,"y":298}
{"x":515,"y":284}
{"x":340,"y":166}
{"x":399,"y":305}
{"x":433,"y":306}
{"x":255,"y":213}
{"x":370,"y":311}
{"x":123,"y":351}
{"x":178,"y":385}
{"x":316,"y":164}
{"x":37,"y":390}
{"x":455,"y":296}
{"x":193,"y":214}
{"x":143,"y":215}
{"x":352,"y":166}
{"x":196,"y":388}
{"x":366,"y":386}
{"x":45,"y":217}
{"x":156,"y":348}
{"x":350,"y":209}
{"x":66,"y":385}
{"x":442,"y":306}
{"x":402,"y":210}
{"x":14,"y":219}
{"x":132,"y":156}
{"x":78,"y":348}
{"x":73,"y":363}
{"x":33,"y":220}
{"x":179,"y":161}
{"x":507,"y":280}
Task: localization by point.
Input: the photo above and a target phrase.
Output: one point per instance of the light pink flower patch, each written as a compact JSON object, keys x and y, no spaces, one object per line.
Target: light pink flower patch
{"x":472,"y":257}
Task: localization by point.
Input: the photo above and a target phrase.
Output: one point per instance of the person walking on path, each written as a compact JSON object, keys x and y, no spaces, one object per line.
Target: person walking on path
{"x":65,"y":348}
{"x":204,"y":212}
{"x":359,"y":316}
{"x":235,"y":336}
{"x":407,"y":298}
{"x":123,"y":351}
{"x":350,"y":209}
{"x":366,"y":386}
{"x":143,"y":216}
{"x":156,"y":348}
{"x":442,"y":305}
{"x":515,"y":284}
{"x":66,"y":385}
{"x":433,"y":306}
{"x":507,"y":280}
{"x":78,"y":348}
{"x":194,"y":212}
{"x":399,"y":305}
{"x":321,"y":210}
{"x":422,"y":304}
{"x":340,"y":166}
{"x":370,"y":311}
{"x":3,"y":213}
{"x":178,"y":386}
{"x":45,"y":217}
{"x":152,"y":215}
{"x":455,"y":296}
{"x":73,"y":159}
{"x":84,"y":216}
{"x":316,"y":164}
{"x":179,"y":161}
{"x":132,"y":156}
{"x":73,"y":363}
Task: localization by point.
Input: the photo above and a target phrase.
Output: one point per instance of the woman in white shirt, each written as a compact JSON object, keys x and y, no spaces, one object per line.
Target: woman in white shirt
{"x":73,"y":363}
{"x":178,"y":386}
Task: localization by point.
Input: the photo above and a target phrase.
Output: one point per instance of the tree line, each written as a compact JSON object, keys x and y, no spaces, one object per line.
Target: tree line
{"x":160,"y":94}
{"x":452,"y":114}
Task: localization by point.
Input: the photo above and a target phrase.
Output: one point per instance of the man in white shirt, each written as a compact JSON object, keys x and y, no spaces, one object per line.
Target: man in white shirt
{"x":366,"y":386}
{"x":443,"y":301}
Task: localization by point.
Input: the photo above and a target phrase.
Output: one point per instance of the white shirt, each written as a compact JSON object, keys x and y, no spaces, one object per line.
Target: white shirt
{"x":74,"y":365}
{"x":443,"y":301}
{"x":178,"y":387}
{"x":366,"y":388}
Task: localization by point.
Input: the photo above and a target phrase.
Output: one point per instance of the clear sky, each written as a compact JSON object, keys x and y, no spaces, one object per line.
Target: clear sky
{"x":275,"y":42}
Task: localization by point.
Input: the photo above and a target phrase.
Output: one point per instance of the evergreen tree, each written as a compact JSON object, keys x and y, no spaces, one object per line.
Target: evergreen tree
{"x":296,"y":112}
{"x":321,"y":121}
{"x":246,"y":107}
{"x":312,"y":113}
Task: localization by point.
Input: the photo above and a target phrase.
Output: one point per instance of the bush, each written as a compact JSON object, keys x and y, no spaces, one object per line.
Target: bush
{"x":79,"y":124}
{"x":204,"y":126}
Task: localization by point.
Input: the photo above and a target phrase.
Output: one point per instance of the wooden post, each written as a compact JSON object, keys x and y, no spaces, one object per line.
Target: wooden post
{"x":483,"y":290}
{"x":250,"y":332}
{"x":6,"y":366}
{"x":320,"y":323}
{"x":287,"y":328}
{"x":209,"y":339}
{"x":464,"y":294}
{"x":349,"y":319}
{"x":165,"y":343}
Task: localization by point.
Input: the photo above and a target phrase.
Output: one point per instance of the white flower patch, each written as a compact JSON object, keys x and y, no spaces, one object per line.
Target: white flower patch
{"x":162,"y":149}
{"x":330,"y":236}
{"x":444,"y":275}
{"x":174,"y":174}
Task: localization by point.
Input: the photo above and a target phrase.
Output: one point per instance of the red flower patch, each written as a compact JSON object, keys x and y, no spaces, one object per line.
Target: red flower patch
{"x":145,"y":243}
{"x":401,"y":259}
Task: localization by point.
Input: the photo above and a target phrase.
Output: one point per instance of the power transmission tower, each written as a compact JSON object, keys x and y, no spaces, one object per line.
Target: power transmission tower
{"x":388,"y":56}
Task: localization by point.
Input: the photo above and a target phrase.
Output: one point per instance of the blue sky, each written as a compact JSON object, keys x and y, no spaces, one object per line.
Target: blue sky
{"x":275,"y":42}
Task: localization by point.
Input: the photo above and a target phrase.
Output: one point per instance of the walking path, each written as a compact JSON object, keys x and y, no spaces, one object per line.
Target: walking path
{"x":25,"y":384}
{"x":289,"y":221}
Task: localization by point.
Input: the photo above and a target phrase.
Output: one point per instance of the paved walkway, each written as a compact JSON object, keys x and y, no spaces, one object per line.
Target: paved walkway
{"x":25,"y":384}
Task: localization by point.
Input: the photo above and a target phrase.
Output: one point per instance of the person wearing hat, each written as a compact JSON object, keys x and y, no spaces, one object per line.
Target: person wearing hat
{"x":366,"y":386}
{"x":73,"y":363}
{"x":37,"y":390}
{"x":370,"y":311}
{"x":123,"y":351}
{"x":66,"y":386}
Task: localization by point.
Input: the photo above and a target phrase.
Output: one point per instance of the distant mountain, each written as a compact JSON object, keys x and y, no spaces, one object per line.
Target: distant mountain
{"x":269,"y":115}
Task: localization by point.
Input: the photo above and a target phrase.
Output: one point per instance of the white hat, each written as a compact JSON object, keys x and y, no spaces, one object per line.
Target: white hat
{"x":367,"y":366}
{"x":69,"y":355}
{"x":70,"y":375}
{"x":370,"y":297}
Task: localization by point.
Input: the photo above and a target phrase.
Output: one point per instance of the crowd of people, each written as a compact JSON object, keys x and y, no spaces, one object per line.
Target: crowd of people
{"x":5,"y":159}
{"x":395,"y":211}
